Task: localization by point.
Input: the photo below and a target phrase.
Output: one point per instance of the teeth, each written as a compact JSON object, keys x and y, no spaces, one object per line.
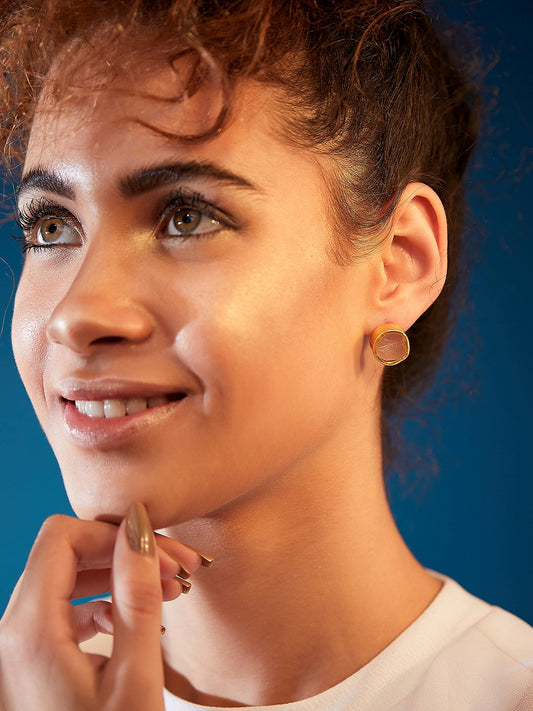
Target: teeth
{"x":94,"y":408}
{"x":118,"y":408}
{"x":114,"y":408}
{"x":135,"y":404}
{"x":157,"y":400}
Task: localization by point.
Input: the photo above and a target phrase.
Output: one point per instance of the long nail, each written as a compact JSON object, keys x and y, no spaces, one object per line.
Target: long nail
{"x":185,"y":584}
{"x":207,"y":560}
{"x":139,"y":530}
{"x":184,"y":572}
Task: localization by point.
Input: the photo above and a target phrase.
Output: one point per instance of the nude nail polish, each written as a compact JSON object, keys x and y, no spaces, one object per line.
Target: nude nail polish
{"x":139,"y":530}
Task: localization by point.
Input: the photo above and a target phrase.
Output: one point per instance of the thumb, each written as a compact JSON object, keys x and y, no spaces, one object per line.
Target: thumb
{"x":136,"y":661}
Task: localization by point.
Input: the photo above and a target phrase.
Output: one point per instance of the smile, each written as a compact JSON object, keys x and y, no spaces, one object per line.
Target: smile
{"x":112,"y":422}
{"x":112,"y":408}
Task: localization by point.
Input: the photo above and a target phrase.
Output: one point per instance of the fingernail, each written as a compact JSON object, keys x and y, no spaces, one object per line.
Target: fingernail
{"x":139,"y":530}
{"x":185,"y":584}
{"x":184,"y":572}
{"x":207,"y":561}
{"x":163,"y":630}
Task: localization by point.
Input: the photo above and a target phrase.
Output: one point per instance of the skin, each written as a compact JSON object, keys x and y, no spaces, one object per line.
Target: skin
{"x":272,"y":462}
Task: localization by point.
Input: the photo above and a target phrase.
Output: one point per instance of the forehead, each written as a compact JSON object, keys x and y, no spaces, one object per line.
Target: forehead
{"x":99,"y":108}
{"x":97,"y":139}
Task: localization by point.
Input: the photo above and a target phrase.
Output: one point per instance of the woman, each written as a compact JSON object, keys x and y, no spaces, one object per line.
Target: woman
{"x":231,"y":217}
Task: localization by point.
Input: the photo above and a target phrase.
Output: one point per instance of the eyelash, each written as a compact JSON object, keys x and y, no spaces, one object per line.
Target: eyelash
{"x":29,"y":216}
{"x":186,"y":199}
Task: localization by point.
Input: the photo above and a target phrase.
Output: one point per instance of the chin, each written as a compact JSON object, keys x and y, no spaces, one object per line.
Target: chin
{"x":99,"y":510}
{"x":112,"y":503}
{"x":100,"y":487}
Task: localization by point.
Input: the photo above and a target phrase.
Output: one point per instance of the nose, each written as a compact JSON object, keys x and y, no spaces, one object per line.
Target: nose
{"x":101,"y":307}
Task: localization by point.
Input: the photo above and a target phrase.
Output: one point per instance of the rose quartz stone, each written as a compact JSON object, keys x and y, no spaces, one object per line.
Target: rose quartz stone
{"x":392,"y":347}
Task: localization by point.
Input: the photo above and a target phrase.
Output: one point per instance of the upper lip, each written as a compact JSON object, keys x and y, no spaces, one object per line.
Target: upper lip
{"x":114,"y":389}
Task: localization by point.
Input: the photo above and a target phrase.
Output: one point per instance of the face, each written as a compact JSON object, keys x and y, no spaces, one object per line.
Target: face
{"x":182,"y":329}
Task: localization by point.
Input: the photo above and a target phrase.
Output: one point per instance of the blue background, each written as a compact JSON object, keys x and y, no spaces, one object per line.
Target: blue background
{"x":473,"y":518}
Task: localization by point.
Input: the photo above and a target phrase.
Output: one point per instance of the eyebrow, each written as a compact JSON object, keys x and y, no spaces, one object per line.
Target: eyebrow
{"x":41,"y":179}
{"x":158,"y":176}
{"x":139,"y":182}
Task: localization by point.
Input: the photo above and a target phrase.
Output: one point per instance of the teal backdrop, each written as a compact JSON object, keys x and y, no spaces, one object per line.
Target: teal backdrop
{"x":472,"y":518}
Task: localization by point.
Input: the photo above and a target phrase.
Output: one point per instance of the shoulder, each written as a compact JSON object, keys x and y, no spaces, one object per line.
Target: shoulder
{"x":507,"y":635}
{"x":486,"y":665}
{"x":461,"y":654}
{"x":487,"y":629}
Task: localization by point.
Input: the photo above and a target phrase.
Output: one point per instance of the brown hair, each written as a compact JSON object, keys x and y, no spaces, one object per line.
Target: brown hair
{"x":370,"y":83}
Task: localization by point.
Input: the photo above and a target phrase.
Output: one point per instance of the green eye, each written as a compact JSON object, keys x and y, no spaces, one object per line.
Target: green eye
{"x":54,"y":230}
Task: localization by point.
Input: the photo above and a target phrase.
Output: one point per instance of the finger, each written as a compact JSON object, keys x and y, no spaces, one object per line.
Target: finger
{"x":64,"y":545}
{"x":175,"y":559}
{"x":92,"y":582}
{"x":136,"y":669}
{"x":170,"y":566}
{"x":92,"y":618}
{"x":190,"y":558}
{"x":174,"y":587}
{"x":98,"y":583}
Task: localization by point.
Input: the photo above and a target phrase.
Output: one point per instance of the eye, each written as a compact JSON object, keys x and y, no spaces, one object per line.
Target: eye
{"x":187,"y":215}
{"x":54,"y":230}
{"x":191,"y":221}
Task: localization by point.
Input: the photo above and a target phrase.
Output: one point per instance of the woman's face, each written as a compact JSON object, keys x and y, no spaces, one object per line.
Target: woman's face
{"x":188,"y":294}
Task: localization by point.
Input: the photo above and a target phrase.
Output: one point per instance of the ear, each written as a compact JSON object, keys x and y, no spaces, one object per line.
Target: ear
{"x":412,"y":259}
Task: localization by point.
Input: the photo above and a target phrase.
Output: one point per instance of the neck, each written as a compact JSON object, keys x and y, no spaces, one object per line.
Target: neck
{"x":306,"y":589}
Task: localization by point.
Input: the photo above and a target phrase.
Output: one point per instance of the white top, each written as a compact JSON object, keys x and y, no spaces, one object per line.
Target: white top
{"x":461,"y":654}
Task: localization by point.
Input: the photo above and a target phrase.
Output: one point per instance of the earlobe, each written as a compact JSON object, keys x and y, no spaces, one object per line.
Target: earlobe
{"x":390,"y":344}
{"x":413,"y":257}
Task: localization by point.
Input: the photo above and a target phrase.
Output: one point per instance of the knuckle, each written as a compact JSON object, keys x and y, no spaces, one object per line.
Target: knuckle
{"x":141,"y":597}
{"x":53,"y":525}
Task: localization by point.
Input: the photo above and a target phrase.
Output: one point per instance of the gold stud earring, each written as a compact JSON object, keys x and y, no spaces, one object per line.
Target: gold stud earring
{"x":390,"y":344}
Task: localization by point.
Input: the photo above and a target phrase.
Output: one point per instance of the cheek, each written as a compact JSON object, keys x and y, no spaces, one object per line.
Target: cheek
{"x":270,"y":341}
{"x":28,"y":333}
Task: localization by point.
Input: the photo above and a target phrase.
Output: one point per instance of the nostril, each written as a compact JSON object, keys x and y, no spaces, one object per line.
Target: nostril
{"x":107,"y":340}
{"x":81,"y":323}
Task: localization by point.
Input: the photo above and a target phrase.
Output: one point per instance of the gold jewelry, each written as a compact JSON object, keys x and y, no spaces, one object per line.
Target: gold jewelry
{"x":390,"y":344}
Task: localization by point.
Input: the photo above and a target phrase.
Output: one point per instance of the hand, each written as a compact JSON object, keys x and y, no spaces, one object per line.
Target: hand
{"x":41,"y":665}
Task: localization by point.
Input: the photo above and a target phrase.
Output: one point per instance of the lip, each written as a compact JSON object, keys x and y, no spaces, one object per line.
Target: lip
{"x":104,"y":433}
{"x":108,"y":433}
{"x":114,"y":388}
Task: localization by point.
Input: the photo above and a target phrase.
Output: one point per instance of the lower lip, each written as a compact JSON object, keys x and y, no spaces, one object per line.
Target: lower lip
{"x":105,"y":433}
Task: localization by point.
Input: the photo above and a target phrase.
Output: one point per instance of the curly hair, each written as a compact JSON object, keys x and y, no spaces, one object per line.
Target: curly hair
{"x":369,"y":83}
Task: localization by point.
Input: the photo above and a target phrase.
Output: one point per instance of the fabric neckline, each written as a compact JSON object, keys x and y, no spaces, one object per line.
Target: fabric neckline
{"x":408,"y":654}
